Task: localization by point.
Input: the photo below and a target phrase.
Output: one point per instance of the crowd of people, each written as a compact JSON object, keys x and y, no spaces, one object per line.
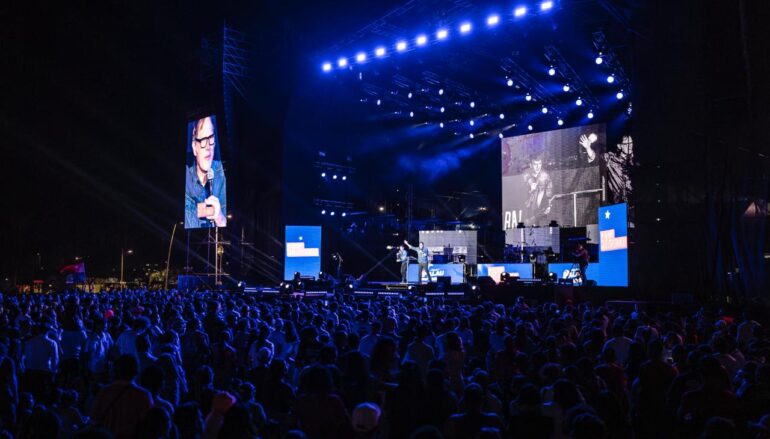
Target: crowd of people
{"x":168,"y":364}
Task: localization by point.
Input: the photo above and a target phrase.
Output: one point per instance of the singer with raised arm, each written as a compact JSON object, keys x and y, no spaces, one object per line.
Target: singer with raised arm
{"x":423,"y":256}
{"x":205,"y":202}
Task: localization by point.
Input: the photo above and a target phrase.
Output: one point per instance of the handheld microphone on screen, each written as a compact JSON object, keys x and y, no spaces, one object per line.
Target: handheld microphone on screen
{"x":210,"y":182}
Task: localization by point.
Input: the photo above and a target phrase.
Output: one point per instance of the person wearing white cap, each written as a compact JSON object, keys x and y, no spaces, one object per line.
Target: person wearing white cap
{"x":366,"y":420}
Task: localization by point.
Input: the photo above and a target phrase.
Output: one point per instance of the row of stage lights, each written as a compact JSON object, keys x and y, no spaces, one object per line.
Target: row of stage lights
{"x":441,"y":34}
{"x":324,"y":175}
{"x":333,"y":213}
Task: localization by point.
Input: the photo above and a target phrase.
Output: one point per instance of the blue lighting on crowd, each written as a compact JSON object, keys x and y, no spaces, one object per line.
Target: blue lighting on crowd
{"x":520,"y":11}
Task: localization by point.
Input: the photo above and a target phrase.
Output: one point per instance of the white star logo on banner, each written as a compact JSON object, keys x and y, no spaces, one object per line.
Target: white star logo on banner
{"x":607,"y":214}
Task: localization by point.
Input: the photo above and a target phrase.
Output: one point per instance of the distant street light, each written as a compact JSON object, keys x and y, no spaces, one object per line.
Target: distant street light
{"x":123,"y":253}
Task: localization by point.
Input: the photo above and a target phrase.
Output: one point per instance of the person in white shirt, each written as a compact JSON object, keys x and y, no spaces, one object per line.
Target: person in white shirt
{"x":419,"y":351}
{"x":40,"y":360}
{"x":619,"y":343}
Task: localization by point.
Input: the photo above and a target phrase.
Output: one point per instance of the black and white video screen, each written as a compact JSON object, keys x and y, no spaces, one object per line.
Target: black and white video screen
{"x":563,"y":176}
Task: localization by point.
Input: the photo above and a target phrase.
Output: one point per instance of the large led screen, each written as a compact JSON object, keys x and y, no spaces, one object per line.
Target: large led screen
{"x":303,"y":251}
{"x":205,"y":187}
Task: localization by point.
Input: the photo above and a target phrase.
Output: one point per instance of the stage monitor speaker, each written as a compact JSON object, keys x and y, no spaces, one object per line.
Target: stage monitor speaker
{"x":443,"y":282}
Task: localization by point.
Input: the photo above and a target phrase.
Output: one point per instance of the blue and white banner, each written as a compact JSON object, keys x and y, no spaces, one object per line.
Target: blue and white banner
{"x":455,"y":271}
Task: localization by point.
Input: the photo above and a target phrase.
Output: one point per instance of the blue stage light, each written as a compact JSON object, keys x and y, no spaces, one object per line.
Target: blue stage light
{"x":411,"y":114}
{"x":441,"y":124}
{"x":344,"y":177}
{"x":401,"y":46}
{"x":361,"y":57}
{"x":544,"y":110}
{"x":323,"y":212}
{"x":619,"y":95}
{"x":520,"y":11}
{"x":334,"y":176}
{"x":502,"y":116}
{"x":442,"y":109}
{"x":409,"y":95}
{"x":529,"y":127}
{"x":566,"y":87}
{"x":440,"y":91}
{"x":510,"y":83}
{"x":590,"y":114}
{"x":327,"y":67}
{"x":441,"y":34}
{"x":379,"y":102}
{"x":465,"y":28}
{"x":332,"y":213}
{"x":342,"y":62}
{"x":551,"y":71}
{"x":323,"y":174}
{"x":379,"y":52}
{"x":472,"y":122}
{"x":528,"y":97}
{"x":611,"y":79}
{"x":578,"y":102}
{"x":493,"y":20}
{"x":421,"y":40}
{"x":344,"y":214}
{"x":599,"y":60}
{"x":473,"y":104}
{"x":471,"y":136}
{"x":560,"y":122}
{"x":500,"y":135}
{"x":546,"y":5}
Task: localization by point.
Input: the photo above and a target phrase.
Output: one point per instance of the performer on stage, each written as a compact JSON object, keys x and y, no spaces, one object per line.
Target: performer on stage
{"x":403,"y":257}
{"x":581,"y":258}
{"x":423,"y":256}
{"x":540,"y":189}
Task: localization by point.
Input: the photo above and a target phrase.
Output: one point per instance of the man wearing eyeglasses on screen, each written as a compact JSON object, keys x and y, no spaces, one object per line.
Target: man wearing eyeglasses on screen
{"x":205,"y":203}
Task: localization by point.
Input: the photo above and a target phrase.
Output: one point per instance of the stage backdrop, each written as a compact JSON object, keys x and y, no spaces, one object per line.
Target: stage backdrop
{"x":303,"y":251}
{"x":205,"y":189}
{"x":554,"y":175}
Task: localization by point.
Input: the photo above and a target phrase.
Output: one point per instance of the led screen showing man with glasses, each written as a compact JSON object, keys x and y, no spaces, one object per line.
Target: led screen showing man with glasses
{"x":205,"y":200}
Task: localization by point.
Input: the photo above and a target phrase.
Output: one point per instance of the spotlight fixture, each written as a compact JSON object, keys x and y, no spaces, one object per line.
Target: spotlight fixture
{"x":342,"y":62}
{"x":441,"y":34}
{"x":590,"y":114}
{"x":472,"y":122}
{"x":326,"y":67}
{"x":473,"y":104}
{"x":335,"y":176}
{"x":551,"y":71}
{"x":566,"y":87}
{"x":619,"y":95}
{"x":332,"y":213}
{"x":546,"y":5}
{"x":421,"y":40}
{"x":528,"y":97}
{"x":323,"y":175}
{"x":510,"y":83}
{"x":361,"y":57}
{"x":520,"y":11}
{"x":500,"y":135}
{"x":409,"y":95}
{"x":578,"y":102}
{"x":599,"y":59}
{"x":471,"y":135}
{"x":493,"y":20}
{"x":401,"y":46}
{"x":611,"y":79}
{"x":529,"y":127}
{"x":442,"y":109}
{"x":344,"y":214}
{"x":502,"y":116}
{"x":379,"y":102}
{"x":441,"y":124}
{"x":465,"y":28}
{"x":440,"y":91}
{"x":344,"y":177}
{"x":323,"y":212}
{"x":379,"y":52}
{"x":411,"y":114}
{"x":560,"y":122}
{"x":544,"y":110}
